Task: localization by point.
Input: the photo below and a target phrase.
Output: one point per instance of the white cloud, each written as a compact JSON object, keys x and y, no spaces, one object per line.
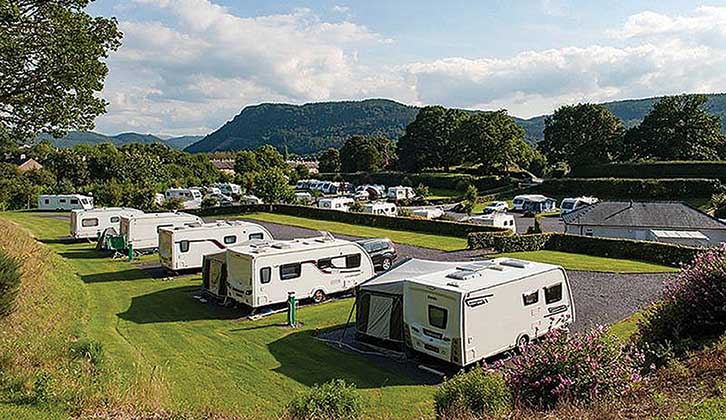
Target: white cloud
{"x":341,"y":9}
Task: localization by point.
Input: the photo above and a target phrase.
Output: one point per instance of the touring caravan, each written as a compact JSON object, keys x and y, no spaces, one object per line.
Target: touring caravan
{"x":142,"y":231}
{"x":89,"y":224}
{"x":335,"y":203}
{"x":380,"y":208}
{"x":65,"y":202}
{"x":501,"y":220}
{"x":539,"y":204}
{"x":569,"y":205}
{"x":465,"y":314}
{"x":185,"y":194}
{"x":430,"y":213}
{"x":263,"y":273}
{"x":214,"y":274}
{"x":518,"y":201}
{"x":401,"y":193}
{"x":183,"y":247}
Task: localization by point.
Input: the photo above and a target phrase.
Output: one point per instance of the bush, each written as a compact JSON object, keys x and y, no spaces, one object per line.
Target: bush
{"x":473,"y":394}
{"x":718,"y":202}
{"x":90,"y":350}
{"x":577,"y":368}
{"x":9,"y":283}
{"x":692,"y":307}
{"x":335,"y":399}
{"x":631,"y":188}
{"x":209,"y":201}
{"x":173,"y":203}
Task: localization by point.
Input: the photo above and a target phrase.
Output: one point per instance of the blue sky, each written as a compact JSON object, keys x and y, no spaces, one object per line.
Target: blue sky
{"x":187,"y":66}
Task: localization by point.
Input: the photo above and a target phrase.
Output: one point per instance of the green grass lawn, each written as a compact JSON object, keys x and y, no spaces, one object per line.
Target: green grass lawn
{"x":426,"y":240}
{"x":589,"y":263}
{"x":439,"y":193}
{"x":194,"y":357}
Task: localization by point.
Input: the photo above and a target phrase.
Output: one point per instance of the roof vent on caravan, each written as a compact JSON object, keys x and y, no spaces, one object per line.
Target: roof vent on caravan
{"x":512,"y":262}
{"x":281,"y":245}
{"x":469,"y":271}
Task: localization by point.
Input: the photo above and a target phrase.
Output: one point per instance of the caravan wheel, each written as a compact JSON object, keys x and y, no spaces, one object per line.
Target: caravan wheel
{"x":386,"y":264}
{"x":319,"y":296}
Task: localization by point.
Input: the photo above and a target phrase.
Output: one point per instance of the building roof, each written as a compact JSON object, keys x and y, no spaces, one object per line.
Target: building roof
{"x":223,"y":164}
{"x":667,"y":215}
{"x":29,"y":165}
{"x":275,"y":247}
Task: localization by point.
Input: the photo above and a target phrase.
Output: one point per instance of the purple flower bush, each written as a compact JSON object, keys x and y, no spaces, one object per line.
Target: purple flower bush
{"x":693,"y":305}
{"x":576,"y":368}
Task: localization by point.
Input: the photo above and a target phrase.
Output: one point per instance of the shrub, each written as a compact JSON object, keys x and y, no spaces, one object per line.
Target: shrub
{"x":718,"y":202}
{"x":335,"y":399}
{"x":90,"y":350}
{"x":578,"y":368}
{"x":692,"y":307}
{"x":173,"y":203}
{"x":473,"y":394}
{"x":9,"y":283}
{"x":209,"y":201}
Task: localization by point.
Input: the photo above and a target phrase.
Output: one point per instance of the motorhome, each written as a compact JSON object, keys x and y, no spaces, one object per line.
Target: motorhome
{"x":380,"y":208}
{"x":480,"y":309}
{"x":64,"y":202}
{"x":335,"y":203}
{"x":263,"y":273}
{"x":569,"y":205}
{"x":89,"y":224}
{"x":141,"y":232}
{"x":401,"y":193}
{"x":183,"y":247}
{"x":500,"y":220}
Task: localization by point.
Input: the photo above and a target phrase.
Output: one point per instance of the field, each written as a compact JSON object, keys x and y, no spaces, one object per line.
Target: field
{"x":590,"y":263}
{"x":204,"y":358}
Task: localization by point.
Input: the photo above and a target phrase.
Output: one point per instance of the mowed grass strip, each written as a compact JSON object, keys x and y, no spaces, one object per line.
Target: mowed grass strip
{"x":198,"y":359}
{"x":581,"y":262}
{"x":425,"y":240}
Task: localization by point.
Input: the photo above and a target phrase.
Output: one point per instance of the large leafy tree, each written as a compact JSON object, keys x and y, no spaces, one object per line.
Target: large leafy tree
{"x":329,"y":161}
{"x":491,"y":139}
{"x":272,"y":186}
{"x":366,"y":154}
{"x":428,"y":140}
{"x":677,"y":128}
{"x":581,"y":135}
{"x":268,"y":157}
{"x":246,"y":161}
{"x":51,"y":66}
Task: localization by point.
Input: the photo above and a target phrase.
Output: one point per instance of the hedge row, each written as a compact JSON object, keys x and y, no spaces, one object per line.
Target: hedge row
{"x":655,"y":252}
{"x":438,"y":227}
{"x":451,"y":181}
{"x":9,"y":282}
{"x":674,"y":169}
{"x":632,"y":188}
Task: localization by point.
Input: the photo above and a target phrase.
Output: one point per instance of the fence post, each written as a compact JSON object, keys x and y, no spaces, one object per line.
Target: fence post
{"x":291,"y":310}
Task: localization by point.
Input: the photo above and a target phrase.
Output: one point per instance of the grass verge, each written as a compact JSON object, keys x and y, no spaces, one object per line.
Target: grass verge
{"x":581,"y":262}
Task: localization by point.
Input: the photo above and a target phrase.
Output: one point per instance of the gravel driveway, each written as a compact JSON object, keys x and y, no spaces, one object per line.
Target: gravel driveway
{"x":600,"y":298}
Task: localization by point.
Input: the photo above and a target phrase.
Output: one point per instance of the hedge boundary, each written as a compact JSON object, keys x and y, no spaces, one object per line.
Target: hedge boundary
{"x":437,"y":227}
{"x":655,"y":170}
{"x":644,"y":188}
{"x":654,"y":252}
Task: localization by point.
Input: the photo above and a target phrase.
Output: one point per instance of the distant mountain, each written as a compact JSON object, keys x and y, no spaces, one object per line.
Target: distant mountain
{"x":74,"y":138}
{"x":308,"y":128}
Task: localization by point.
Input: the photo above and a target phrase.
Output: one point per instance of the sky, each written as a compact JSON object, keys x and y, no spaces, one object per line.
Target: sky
{"x":188,"y":66}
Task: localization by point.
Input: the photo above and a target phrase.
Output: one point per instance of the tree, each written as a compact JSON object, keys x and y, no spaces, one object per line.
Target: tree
{"x":422,"y":190}
{"x":677,"y":128}
{"x":246,"y":161}
{"x":428,"y":140}
{"x":301,"y":171}
{"x":366,"y":154}
{"x":329,"y":161}
{"x":173,"y":203}
{"x":469,"y":199}
{"x":52,"y":65}
{"x":268,"y":157}
{"x":491,"y":139}
{"x":272,"y":186}
{"x":581,"y":135}
{"x":209,"y":201}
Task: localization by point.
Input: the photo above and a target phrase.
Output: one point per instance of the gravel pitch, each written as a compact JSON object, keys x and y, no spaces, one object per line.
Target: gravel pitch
{"x":600,"y":298}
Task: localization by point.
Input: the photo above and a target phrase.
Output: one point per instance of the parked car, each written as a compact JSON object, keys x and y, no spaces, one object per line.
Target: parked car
{"x":496,"y":207}
{"x":224,"y":200}
{"x":381,"y":250}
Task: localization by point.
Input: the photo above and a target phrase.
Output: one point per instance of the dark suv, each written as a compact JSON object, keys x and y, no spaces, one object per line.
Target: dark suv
{"x":381,"y":251}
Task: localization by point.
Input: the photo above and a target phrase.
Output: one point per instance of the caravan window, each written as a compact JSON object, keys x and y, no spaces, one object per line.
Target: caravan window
{"x":47,"y":201}
{"x":352,"y":261}
{"x":89,"y":222}
{"x":437,"y":317}
{"x":230,"y":239}
{"x":553,"y":293}
{"x":265,"y":275}
{"x":258,"y":235}
{"x":290,"y":271}
{"x":184,"y":246}
{"x":531,"y":298}
{"x":62,"y":200}
{"x":115,"y":219}
{"x":74,"y":201}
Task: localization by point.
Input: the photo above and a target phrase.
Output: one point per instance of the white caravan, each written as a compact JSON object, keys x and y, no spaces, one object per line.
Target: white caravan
{"x":569,"y":205}
{"x":250,"y":200}
{"x":184,"y":247}
{"x":185,"y":194}
{"x":142,"y":231}
{"x":480,"y":309}
{"x":64,"y":202}
{"x":228,"y":188}
{"x":263,"y":273}
{"x":89,"y":224}
{"x":519,"y":201}
{"x":381,"y":208}
{"x":401,"y":193}
{"x":335,"y":203}
{"x":500,"y":220}
{"x":430,"y":213}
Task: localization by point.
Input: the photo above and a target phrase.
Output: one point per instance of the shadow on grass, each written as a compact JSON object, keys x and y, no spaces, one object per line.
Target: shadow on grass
{"x":308,"y":361}
{"x":62,"y":240}
{"x":173,"y":305}
{"x":88,"y":254}
{"x":124,"y":275}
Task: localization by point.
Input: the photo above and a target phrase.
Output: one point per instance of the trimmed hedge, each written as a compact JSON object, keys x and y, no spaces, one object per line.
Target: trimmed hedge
{"x":9,"y":283}
{"x":437,"y":227}
{"x":658,"y":170}
{"x":451,"y":181}
{"x":655,"y":252}
{"x":632,"y":188}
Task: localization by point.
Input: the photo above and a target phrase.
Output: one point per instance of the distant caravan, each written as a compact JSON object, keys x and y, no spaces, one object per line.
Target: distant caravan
{"x":141,"y":232}
{"x":184,"y":247}
{"x":90,"y":224}
{"x":65,"y":202}
{"x":261,"y":274}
